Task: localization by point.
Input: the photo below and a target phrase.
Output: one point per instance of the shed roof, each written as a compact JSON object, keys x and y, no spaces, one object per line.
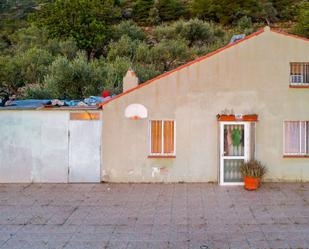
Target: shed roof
{"x":28,"y":104}
{"x":41,"y":104}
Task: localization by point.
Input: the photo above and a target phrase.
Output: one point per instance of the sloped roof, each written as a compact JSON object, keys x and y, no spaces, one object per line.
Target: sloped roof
{"x":260,"y":31}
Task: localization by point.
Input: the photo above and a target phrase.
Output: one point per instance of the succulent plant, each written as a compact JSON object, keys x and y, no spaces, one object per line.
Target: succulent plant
{"x":253,"y":168}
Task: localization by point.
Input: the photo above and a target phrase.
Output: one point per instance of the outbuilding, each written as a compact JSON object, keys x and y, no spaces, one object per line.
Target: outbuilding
{"x":40,"y":144}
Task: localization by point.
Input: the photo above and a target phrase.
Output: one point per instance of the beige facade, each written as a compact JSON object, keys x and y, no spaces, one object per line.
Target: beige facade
{"x":251,"y":76}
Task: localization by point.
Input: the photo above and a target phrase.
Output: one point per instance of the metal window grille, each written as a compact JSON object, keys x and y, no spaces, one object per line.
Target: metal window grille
{"x":299,"y":73}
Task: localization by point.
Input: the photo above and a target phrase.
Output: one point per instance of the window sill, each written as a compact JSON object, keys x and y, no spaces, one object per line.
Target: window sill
{"x":295,"y":156}
{"x":299,"y":86}
{"x":161,"y":156}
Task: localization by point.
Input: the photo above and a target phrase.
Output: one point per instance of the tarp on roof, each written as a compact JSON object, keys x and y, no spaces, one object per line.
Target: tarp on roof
{"x":26,"y":104}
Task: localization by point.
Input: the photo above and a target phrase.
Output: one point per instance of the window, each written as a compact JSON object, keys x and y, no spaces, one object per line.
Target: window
{"x":299,"y":74}
{"x":162,"y":137}
{"x":296,"y":138}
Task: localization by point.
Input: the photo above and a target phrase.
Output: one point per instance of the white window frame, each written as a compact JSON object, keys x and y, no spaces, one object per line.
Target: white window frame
{"x":162,"y":139}
{"x":306,"y":150}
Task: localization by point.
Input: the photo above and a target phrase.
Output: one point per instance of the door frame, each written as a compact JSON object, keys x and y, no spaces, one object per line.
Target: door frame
{"x":221,"y":150}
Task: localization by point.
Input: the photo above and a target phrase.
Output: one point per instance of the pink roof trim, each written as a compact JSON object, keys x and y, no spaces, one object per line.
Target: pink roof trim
{"x":260,"y":31}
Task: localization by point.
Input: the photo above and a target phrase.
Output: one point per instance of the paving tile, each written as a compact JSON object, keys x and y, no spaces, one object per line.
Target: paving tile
{"x":297,"y":244}
{"x":278,"y":244}
{"x":239,"y":245}
{"x":85,"y":245}
{"x":167,"y":216}
{"x":259,"y":244}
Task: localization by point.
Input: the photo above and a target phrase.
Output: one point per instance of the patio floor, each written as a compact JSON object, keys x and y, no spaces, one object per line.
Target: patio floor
{"x":132,"y":216}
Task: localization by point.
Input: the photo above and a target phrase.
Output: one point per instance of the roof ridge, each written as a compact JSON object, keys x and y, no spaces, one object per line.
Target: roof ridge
{"x":260,"y":31}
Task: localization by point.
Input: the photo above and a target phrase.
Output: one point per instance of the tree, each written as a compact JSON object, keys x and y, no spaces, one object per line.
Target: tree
{"x":141,"y":11}
{"x":169,"y":54}
{"x":286,"y":9}
{"x":170,"y":9}
{"x":10,"y":78}
{"x":203,"y":9}
{"x":229,"y":12}
{"x":86,"y":21}
{"x":115,"y":72}
{"x":75,"y":79}
{"x":267,"y":12}
{"x":195,"y":32}
{"x":130,"y":29}
{"x":302,"y":26}
{"x":21,"y":70}
{"x":125,"y":47}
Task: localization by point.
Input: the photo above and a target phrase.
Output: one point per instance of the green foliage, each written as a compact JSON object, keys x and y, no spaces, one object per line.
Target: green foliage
{"x":115,"y":72}
{"x":141,"y":11}
{"x":130,"y":29}
{"x":195,"y":31}
{"x":169,"y":54}
{"x":36,"y":91}
{"x":125,"y":47}
{"x":76,"y":48}
{"x":266,"y":12}
{"x":34,"y":64}
{"x":229,"y":12}
{"x":286,"y":9}
{"x":170,"y":9}
{"x":22,"y":69}
{"x":146,"y":71}
{"x":11,"y":78}
{"x":74,"y":79}
{"x":302,"y":27}
{"x":244,"y":25}
{"x":86,"y":21}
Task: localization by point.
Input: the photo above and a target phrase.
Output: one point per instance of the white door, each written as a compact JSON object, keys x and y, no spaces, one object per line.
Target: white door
{"x":84,"y":150}
{"x":234,"y":149}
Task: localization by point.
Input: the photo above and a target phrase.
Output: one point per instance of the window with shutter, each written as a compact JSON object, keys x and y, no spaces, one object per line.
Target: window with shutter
{"x":162,"y":137}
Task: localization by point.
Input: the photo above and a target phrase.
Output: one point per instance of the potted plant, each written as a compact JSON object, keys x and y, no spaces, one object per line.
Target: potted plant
{"x":252,"y":172}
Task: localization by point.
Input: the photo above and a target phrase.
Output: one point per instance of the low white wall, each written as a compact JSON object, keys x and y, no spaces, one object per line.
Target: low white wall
{"x":34,"y":146}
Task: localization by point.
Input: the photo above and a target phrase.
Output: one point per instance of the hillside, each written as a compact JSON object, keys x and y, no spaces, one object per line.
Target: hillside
{"x":73,"y":49}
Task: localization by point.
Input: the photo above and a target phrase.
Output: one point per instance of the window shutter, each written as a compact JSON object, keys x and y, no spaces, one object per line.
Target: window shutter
{"x":156,"y":136}
{"x":169,"y":137}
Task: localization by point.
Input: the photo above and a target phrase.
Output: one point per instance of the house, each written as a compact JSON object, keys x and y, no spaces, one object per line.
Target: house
{"x":45,"y":144}
{"x":247,"y":100}
{"x":196,"y":123}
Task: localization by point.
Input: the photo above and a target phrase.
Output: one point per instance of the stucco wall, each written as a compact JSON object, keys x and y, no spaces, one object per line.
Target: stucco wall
{"x":34,"y":146}
{"x":250,"y":77}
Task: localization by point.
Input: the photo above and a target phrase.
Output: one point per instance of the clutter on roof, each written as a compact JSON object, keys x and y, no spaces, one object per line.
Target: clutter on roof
{"x":24,"y":104}
{"x":236,"y":38}
{"x":31,"y":104}
{"x":105,"y":94}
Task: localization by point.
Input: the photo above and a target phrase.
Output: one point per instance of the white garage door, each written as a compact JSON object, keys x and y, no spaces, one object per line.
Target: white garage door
{"x":84,"y":150}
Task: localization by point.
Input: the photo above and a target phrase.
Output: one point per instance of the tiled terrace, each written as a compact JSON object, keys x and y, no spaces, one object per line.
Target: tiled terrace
{"x":132,"y":216}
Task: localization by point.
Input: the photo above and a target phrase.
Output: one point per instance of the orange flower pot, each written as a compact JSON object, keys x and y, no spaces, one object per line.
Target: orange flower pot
{"x":251,"y":183}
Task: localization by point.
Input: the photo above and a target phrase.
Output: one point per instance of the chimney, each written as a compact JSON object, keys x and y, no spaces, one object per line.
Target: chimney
{"x":130,"y":80}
